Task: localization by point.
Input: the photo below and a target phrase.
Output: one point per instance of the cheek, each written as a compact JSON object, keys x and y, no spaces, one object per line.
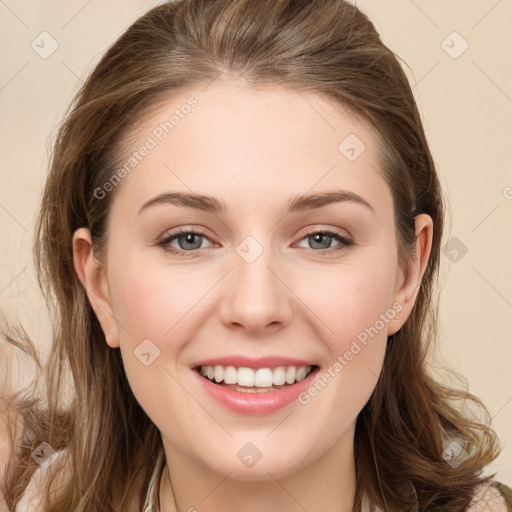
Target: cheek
{"x":154,"y":301}
{"x":155,"y":305}
{"x":350,"y":301}
{"x":354,"y":309}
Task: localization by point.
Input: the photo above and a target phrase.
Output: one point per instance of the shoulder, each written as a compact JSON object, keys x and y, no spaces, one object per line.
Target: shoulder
{"x":488,"y":498}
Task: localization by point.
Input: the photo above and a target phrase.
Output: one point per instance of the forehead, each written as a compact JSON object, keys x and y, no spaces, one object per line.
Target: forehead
{"x":230,"y":138}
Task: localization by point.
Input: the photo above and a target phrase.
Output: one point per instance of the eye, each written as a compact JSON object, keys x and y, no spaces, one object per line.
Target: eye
{"x":187,"y":240}
{"x":322,"y":240}
{"x":190,"y":241}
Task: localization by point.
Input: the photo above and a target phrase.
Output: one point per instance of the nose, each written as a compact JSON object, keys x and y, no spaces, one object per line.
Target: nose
{"x":255,"y":296}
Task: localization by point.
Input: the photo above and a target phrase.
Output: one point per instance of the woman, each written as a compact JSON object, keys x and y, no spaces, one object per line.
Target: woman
{"x":280,"y":363}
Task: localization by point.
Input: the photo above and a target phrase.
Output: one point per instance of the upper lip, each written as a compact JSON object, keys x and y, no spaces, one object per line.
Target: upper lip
{"x":253,"y":362}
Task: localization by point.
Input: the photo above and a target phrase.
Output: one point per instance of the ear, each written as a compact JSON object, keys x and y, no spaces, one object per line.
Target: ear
{"x":408,"y":282}
{"x":91,"y":274}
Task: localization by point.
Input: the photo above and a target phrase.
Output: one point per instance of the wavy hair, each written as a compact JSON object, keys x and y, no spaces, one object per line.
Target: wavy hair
{"x":327,"y":47}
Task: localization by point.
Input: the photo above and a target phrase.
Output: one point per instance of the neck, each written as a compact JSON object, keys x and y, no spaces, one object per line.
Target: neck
{"x":326,"y":484}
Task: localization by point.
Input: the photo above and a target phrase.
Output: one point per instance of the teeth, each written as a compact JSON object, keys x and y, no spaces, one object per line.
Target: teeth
{"x":260,"y":378}
{"x":301,"y":373}
{"x":263,"y":378}
{"x":278,"y":376}
{"x":230,"y":375}
{"x":290,"y":375}
{"x":245,"y":377}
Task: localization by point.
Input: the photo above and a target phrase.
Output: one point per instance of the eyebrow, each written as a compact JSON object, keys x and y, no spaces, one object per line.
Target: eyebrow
{"x":294,"y":204}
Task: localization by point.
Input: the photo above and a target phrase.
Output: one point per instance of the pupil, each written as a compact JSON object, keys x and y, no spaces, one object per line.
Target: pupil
{"x":318,"y":237}
{"x":189,"y":237}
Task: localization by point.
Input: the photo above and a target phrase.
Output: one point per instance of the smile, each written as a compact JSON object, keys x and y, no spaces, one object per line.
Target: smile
{"x":258,"y":380}
{"x":254,"y":391}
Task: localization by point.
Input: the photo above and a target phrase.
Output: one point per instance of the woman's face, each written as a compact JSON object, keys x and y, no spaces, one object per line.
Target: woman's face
{"x":262,"y":276}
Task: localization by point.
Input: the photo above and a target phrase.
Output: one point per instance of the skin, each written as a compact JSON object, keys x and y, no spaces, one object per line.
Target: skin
{"x":252,"y":149}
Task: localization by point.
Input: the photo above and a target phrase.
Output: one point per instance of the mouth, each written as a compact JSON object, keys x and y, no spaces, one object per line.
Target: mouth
{"x":255,"y":380}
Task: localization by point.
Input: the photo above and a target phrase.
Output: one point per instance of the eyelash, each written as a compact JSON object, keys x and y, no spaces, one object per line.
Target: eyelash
{"x":345,"y":243}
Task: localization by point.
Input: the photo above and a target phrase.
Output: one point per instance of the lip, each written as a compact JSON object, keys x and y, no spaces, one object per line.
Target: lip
{"x":255,"y":404}
{"x":254,"y":363}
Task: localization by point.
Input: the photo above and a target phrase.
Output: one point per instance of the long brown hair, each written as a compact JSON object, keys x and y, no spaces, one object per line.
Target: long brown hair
{"x":324,"y":46}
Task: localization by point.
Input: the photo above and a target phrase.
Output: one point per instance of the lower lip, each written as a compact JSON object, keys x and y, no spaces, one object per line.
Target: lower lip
{"x":255,"y":404}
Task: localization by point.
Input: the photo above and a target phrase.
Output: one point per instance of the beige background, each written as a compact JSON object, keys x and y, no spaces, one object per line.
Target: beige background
{"x":466,"y":104}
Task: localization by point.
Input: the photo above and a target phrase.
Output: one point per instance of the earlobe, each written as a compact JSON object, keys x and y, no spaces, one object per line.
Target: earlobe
{"x":93,"y":279}
{"x":410,"y":282}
